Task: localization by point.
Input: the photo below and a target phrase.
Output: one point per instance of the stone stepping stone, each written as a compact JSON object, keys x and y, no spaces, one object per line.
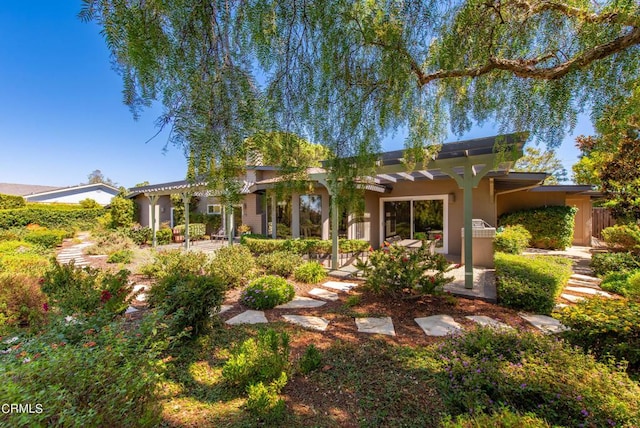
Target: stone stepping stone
{"x":588,"y":290}
{"x":300,"y":302}
{"x":130,"y":310}
{"x":224,"y":308}
{"x":586,"y":278}
{"x":382,"y":325}
{"x":576,"y":283}
{"x":340,"y":286}
{"x":561,"y":305}
{"x":313,"y":323}
{"x":438,"y":325}
{"x":486,"y":321}
{"x":324,"y":294}
{"x":544,"y":323}
{"x":248,"y":317}
{"x":572,"y":298}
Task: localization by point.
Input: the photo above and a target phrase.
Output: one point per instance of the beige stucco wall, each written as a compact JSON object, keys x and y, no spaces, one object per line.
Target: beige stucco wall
{"x":143,"y":207}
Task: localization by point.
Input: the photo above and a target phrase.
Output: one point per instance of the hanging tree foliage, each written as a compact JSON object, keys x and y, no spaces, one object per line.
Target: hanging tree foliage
{"x":345,"y":74}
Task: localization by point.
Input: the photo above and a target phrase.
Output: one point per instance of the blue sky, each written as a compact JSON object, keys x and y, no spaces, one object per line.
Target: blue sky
{"x":61,"y":110}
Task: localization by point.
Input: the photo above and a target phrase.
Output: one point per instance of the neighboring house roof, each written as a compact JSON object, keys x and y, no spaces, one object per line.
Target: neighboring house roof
{"x":199,"y":186}
{"x":23,"y":189}
{"x":85,"y":187}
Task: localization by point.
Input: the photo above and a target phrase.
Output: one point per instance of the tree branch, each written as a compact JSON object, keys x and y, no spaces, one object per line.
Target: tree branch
{"x":526,"y":68}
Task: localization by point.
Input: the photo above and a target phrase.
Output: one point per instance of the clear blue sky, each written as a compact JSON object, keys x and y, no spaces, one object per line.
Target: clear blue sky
{"x":61,"y":110}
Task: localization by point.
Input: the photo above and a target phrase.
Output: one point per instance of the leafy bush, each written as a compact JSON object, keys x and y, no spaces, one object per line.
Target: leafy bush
{"x":13,"y":234}
{"x":625,"y":237}
{"x":512,"y":239}
{"x":110,"y":241}
{"x":260,"y":244}
{"x":48,"y":238}
{"x":234,"y":265}
{"x":22,"y":302}
{"x":310,"y":273}
{"x":353,"y":245}
{"x":310,"y":360}
{"x":87,"y":290}
{"x":175,"y":262}
{"x":23,"y":257}
{"x":140,"y":235}
{"x":550,"y":227}
{"x":504,"y":418}
{"x":110,"y":378}
{"x":196,"y":230}
{"x":530,"y":283}
{"x":163,"y":236}
{"x":395,"y":269}
{"x":281,"y":263}
{"x":89,"y":203}
{"x":264,"y":402}
{"x":625,"y":283}
{"x":267,"y":292}
{"x":120,"y":256}
{"x":50,"y":216}
{"x":605,"y":326}
{"x":122,"y":211}
{"x":605,"y":263}
{"x":526,"y":372}
{"x":261,"y":359}
{"x":11,"y":201}
{"x":188,"y":301}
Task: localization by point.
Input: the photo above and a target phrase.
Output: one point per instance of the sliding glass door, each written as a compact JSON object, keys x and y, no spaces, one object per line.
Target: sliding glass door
{"x":415,"y":218}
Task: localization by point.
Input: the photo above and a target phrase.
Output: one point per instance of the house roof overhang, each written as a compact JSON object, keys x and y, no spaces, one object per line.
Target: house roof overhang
{"x":198,"y":188}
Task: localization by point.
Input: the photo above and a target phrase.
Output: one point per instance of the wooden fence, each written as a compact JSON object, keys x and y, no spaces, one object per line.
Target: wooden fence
{"x":601,"y":218}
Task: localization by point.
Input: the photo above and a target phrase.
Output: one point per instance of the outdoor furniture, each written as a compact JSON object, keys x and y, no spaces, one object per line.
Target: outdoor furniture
{"x":220,"y":234}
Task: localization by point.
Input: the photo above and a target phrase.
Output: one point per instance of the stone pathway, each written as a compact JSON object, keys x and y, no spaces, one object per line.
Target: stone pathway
{"x":74,"y":254}
{"x":383,"y":325}
{"x":438,"y":325}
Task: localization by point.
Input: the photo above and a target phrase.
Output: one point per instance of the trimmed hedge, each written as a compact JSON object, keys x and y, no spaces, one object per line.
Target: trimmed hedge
{"x":512,"y":239}
{"x":50,"y":216}
{"x":196,"y":230}
{"x":530,"y":283}
{"x":11,"y":201}
{"x":258,"y":244}
{"x":550,"y":227}
{"x":606,"y":263}
{"x":48,"y":238}
{"x":625,"y":237}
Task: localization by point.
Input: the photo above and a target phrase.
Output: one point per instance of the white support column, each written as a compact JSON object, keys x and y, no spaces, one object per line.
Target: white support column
{"x":274,"y":207}
{"x":185,"y":200}
{"x":295,"y":215}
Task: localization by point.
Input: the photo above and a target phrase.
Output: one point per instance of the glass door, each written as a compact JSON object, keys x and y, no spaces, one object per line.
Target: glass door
{"x":397,"y":219}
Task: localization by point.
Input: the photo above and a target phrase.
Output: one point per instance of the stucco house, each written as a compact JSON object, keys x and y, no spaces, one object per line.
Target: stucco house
{"x":99,"y":192}
{"x":429,"y":199}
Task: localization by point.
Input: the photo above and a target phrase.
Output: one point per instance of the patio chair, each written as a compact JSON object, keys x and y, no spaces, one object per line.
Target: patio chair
{"x":220,"y":234}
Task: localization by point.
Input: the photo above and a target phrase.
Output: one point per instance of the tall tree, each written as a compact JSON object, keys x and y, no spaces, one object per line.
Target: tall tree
{"x":535,"y":160}
{"x":97,"y":176}
{"x":346,"y":73}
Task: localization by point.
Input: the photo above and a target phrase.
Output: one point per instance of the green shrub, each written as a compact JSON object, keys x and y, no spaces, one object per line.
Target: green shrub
{"x":504,"y":418}
{"x":616,"y":282}
{"x":310,"y":360}
{"x":394,"y":270}
{"x":188,"y":301}
{"x":21,"y":301}
{"x":550,"y":227}
{"x":86,"y":290}
{"x":140,"y":235}
{"x":120,"y":256}
{"x":512,"y":239}
{"x":89,"y":204}
{"x":281,"y":263}
{"x":310,"y":273}
{"x":50,"y":216}
{"x":605,"y":326}
{"x":234,"y":265}
{"x":530,"y":283}
{"x":163,"y":236}
{"x":353,"y":245}
{"x":267,"y":292}
{"x":264,"y":402}
{"x":625,"y":237}
{"x":175,"y":262}
{"x":261,"y":359}
{"x":13,"y":234}
{"x":110,"y":241}
{"x":48,"y":238}
{"x":11,"y":201}
{"x":108,"y":379}
{"x":122,"y":211}
{"x":632,"y":290}
{"x":492,"y":369}
{"x":260,"y":244}
{"x":605,"y":263}
{"x":196,"y":230}
{"x":28,"y":263}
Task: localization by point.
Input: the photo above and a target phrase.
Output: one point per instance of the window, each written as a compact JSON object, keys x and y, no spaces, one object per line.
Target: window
{"x":214,"y":209}
{"x":311,"y":216}
{"x":415,"y":218}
